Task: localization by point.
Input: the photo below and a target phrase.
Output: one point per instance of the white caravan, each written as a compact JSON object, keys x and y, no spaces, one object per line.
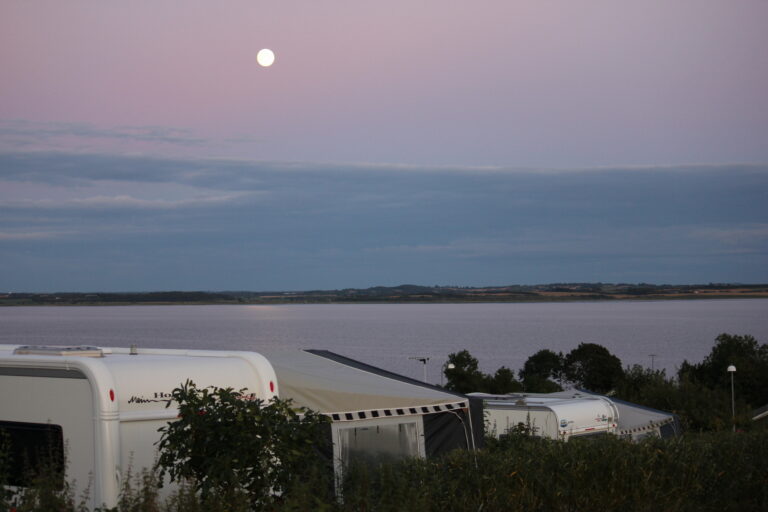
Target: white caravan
{"x":105,"y":405}
{"x":554,"y":418}
{"x":636,"y":422}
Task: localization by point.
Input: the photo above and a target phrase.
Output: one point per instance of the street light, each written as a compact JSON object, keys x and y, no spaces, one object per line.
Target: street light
{"x":423,"y":360}
{"x":732,"y":370}
{"x":446,"y":366}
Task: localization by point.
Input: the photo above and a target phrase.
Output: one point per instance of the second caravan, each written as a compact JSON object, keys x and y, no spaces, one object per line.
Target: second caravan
{"x":550,"y":417}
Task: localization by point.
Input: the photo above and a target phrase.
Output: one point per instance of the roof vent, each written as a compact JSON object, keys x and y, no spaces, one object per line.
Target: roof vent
{"x":51,"y":350}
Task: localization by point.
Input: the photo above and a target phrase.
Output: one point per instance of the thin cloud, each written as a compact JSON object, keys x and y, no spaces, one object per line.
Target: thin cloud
{"x":124,"y":202}
{"x":35,"y":235}
{"x":26,"y":133}
{"x":47,"y":164}
{"x":738,"y":235}
{"x":638,"y":241}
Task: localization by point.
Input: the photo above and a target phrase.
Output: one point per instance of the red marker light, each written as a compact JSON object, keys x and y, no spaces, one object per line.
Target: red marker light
{"x":271,"y":386}
{"x":112,"y":395}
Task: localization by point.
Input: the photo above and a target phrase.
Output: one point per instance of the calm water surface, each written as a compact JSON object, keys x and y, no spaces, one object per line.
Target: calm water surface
{"x":386,"y":335}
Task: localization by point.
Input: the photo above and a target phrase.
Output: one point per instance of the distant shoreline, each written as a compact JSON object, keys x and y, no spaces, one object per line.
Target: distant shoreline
{"x":404,"y":294}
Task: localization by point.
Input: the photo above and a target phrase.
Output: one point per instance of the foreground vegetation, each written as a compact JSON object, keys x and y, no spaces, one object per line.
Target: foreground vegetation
{"x":702,"y":472}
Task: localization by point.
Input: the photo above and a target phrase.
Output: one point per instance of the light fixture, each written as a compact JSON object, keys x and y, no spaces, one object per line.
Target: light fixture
{"x":732,"y":370}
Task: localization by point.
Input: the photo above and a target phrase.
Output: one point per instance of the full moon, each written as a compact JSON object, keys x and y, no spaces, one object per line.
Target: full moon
{"x":265,"y":57}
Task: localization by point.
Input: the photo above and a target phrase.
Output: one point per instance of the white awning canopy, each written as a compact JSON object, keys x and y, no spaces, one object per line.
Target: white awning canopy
{"x":328,"y":386}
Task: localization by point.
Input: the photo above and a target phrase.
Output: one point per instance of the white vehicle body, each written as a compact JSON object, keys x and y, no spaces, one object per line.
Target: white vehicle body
{"x":108,"y":403}
{"x":554,"y":418}
{"x":636,"y":422}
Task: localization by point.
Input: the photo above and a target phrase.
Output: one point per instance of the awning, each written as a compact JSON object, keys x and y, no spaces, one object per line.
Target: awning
{"x":349,"y":393}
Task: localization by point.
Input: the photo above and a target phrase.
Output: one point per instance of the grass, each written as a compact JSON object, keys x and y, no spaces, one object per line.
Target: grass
{"x":697,"y":472}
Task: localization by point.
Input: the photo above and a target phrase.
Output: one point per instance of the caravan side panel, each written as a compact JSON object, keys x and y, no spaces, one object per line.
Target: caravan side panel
{"x":57,"y":397}
{"x":145,"y":385}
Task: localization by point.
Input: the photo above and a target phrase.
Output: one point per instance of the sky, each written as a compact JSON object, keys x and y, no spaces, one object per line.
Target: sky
{"x":436,"y":142}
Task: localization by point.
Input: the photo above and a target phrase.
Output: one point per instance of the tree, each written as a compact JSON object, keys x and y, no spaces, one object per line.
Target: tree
{"x":751,"y":362}
{"x":698,"y":407}
{"x":644,"y":386}
{"x":502,"y":382}
{"x":226,"y":443}
{"x":541,"y":371}
{"x":464,"y":377}
{"x":593,"y":367}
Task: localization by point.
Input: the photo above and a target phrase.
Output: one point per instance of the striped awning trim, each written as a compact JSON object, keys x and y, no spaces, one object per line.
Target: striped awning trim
{"x":395,"y":412}
{"x":650,"y":426}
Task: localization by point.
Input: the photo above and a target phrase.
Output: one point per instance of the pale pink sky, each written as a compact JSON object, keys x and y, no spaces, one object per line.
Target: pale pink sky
{"x":143,"y":148}
{"x":564,"y":83}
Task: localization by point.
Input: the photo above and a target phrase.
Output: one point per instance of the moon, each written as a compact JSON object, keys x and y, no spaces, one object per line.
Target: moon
{"x":265,"y":57}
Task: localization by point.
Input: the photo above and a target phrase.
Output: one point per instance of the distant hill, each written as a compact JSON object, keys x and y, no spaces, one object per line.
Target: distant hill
{"x":404,"y":294}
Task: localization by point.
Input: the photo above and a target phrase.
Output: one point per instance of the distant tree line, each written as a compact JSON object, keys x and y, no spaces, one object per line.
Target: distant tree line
{"x":700,"y":393}
{"x":402,"y":293}
{"x":166,"y":297}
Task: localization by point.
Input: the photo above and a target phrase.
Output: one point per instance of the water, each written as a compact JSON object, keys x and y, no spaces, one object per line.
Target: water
{"x":386,"y":335}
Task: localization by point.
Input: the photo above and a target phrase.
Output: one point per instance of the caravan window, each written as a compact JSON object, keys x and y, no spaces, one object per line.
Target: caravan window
{"x":32,"y":449}
{"x":378,"y":442}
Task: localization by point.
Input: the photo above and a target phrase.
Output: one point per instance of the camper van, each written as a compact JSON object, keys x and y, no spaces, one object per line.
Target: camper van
{"x":554,"y":418}
{"x":104,"y":406}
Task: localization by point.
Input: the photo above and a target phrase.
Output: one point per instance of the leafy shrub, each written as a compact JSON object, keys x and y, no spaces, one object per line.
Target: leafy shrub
{"x":226,"y":443}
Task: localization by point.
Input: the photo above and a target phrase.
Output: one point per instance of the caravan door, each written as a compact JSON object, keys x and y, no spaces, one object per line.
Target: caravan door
{"x":378,"y":439}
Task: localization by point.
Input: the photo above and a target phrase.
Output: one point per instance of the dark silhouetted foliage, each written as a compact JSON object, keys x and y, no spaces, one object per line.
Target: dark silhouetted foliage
{"x":502,"y":382}
{"x":542,"y":371}
{"x":751,"y":362}
{"x":465,"y":377}
{"x":593,"y":367}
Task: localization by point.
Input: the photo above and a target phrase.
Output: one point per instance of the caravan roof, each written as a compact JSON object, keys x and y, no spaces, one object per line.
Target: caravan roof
{"x":634,"y":419}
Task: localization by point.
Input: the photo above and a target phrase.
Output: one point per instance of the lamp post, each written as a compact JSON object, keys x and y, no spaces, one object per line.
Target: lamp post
{"x":423,"y":360}
{"x":446,"y":366}
{"x":732,"y":370}
{"x":652,"y":356}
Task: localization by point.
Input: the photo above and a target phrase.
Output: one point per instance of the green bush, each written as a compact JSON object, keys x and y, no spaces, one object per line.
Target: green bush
{"x":226,"y":443}
{"x":713,"y":472}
